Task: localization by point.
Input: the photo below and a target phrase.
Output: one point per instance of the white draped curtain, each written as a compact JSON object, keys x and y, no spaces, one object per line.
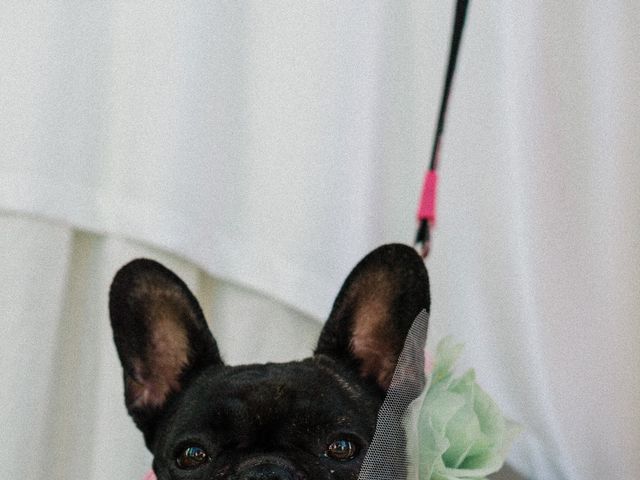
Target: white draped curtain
{"x":261,"y":148}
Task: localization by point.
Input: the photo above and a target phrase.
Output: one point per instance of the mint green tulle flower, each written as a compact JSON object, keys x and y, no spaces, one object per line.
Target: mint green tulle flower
{"x":454,"y":429}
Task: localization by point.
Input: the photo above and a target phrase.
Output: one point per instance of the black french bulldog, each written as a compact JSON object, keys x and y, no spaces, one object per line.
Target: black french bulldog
{"x":304,"y":420}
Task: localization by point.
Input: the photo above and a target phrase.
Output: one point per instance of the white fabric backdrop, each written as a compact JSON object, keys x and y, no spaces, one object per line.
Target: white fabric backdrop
{"x":273,"y":145}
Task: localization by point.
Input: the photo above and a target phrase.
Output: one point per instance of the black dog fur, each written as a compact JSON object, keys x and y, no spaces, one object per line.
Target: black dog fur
{"x":305,"y":420}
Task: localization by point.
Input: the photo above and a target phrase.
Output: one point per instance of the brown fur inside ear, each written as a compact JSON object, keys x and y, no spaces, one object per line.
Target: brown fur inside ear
{"x":374,"y":340}
{"x":166,"y":354}
{"x":374,"y":310}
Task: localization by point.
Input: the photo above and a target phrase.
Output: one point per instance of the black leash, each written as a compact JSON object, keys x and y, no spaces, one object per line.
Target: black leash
{"x":427,"y":207}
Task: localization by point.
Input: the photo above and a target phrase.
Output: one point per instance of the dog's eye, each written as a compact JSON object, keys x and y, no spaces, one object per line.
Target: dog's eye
{"x":342,"y":449}
{"x":192,"y":457}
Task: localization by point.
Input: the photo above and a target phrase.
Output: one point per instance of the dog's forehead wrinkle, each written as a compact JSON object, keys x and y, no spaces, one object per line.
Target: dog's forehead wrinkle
{"x":280,"y":390}
{"x":328,"y":366}
{"x":255,"y":386}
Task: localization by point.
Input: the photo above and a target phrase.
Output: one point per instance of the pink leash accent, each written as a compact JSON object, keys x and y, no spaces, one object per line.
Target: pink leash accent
{"x":150,"y":476}
{"x":427,"y":207}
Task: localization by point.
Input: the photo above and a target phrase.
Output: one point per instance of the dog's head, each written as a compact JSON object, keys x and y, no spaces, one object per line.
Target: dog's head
{"x":306,"y":420}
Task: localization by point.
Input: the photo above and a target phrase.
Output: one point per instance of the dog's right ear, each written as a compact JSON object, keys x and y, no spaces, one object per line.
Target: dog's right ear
{"x":374,"y":310}
{"x":161,"y":336}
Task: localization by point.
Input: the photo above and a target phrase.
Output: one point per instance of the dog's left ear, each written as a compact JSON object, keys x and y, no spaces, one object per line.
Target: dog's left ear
{"x":374,"y":310}
{"x":161,"y":336}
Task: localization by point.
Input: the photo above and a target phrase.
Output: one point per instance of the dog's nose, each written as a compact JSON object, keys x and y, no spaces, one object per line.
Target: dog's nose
{"x":267,"y":471}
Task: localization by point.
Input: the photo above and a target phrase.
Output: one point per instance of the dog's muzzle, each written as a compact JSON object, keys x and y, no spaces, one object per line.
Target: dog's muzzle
{"x":267,"y":468}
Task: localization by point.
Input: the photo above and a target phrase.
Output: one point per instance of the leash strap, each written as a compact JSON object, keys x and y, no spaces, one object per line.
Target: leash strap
{"x":427,"y":205}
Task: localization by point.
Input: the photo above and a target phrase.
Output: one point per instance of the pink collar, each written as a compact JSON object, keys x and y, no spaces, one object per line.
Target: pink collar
{"x":150,"y":476}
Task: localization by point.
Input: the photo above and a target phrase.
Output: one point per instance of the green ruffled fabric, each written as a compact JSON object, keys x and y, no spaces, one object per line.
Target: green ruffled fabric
{"x":454,"y":429}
